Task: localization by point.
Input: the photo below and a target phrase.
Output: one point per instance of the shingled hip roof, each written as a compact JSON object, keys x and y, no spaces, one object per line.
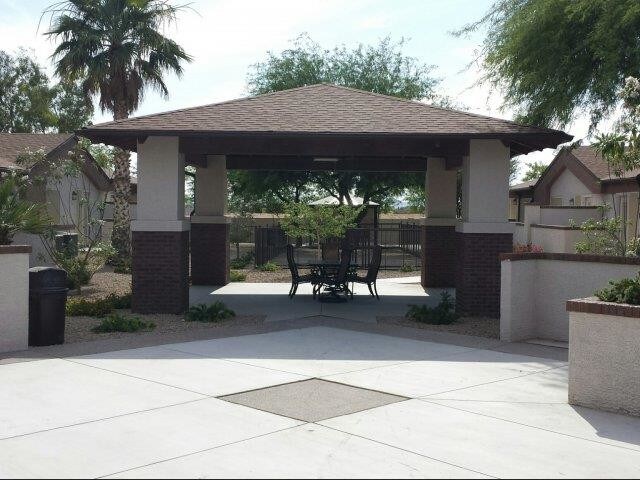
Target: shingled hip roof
{"x":12,"y":145}
{"x":322,"y":110}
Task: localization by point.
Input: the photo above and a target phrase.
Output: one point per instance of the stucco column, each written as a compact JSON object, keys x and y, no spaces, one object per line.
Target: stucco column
{"x":485,"y":231}
{"x":209,"y":225}
{"x":438,"y":231}
{"x":160,"y":235}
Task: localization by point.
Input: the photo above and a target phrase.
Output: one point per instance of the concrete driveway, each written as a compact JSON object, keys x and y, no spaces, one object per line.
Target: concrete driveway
{"x":379,"y":406}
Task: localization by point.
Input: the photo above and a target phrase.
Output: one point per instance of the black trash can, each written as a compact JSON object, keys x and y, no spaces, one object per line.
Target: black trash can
{"x":47,"y":298}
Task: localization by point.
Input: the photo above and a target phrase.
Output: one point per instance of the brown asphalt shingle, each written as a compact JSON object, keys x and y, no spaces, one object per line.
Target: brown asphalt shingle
{"x":320,"y":109}
{"x":591,"y":159}
{"x":13,"y":144}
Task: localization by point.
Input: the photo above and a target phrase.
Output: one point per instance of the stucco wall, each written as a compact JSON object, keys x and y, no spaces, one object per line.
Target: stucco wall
{"x":556,"y":240}
{"x":604,"y":362}
{"x":563,"y":216}
{"x":534,"y":293}
{"x":14,"y":299}
{"x":567,"y":186}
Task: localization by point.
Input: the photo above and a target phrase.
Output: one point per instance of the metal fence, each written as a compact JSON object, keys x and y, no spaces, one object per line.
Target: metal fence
{"x":401,"y":246}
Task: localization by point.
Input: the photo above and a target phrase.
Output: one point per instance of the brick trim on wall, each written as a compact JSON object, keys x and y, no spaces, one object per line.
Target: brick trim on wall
{"x":210,"y":253}
{"x":571,"y":257}
{"x":438,"y":256}
{"x":160,"y":272}
{"x":478,"y":273}
{"x":593,"y":305}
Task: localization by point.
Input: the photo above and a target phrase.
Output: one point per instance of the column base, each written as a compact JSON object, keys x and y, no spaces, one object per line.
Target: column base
{"x":438,"y":256}
{"x":210,"y":253}
{"x":160,"y":272}
{"x":478,"y":272}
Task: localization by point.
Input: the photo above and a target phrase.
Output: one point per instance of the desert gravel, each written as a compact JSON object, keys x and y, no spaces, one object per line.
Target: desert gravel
{"x":477,"y":327}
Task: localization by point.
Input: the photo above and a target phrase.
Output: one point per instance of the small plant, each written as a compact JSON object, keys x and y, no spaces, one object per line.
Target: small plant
{"x":406,"y":268}
{"x":122,"y":323}
{"x":80,"y":307}
{"x":236,"y":276}
{"x":215,"y":312}
{"x":16,"y":214}
{"x":443,"y":314}
{"x":626,"y":290}
{"x":242,"y":261}
{"x":123,"y":266}
{"x":527,"y":248}
{"x":269,"y":267}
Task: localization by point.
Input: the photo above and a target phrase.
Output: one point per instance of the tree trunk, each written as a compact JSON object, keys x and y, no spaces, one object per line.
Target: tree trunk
{"x":121,"y":235}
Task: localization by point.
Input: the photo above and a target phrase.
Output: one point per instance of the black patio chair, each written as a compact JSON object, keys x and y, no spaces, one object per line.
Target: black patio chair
{"x":372,"y":273}
{"x":296,"y":278}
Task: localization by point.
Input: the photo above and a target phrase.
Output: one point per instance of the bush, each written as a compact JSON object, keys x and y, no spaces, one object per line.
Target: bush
{"x":215,"y":312}
{"x":626,"y":290}
{"x":242,"y":261}
{"x":80,"y":307}
{"x":269,"y":267}
{"x":236,"y":276}
{"x":406,"y":268}
{"x":527,"y":248}
{"x":121,"y":323}
{"x":443,"y":314}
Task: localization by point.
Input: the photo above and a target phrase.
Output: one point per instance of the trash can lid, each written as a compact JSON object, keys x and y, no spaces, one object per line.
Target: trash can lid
{"x":47,"y":277}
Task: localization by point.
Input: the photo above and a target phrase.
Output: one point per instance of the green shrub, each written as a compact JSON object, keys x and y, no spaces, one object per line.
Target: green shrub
{"x":80,"y":307}
{"x":242,"y":261}
{"x":122,"y":323}
{"x":269,"y":267}
{"x":120,"y":302}
{"x":626,"y":290}
{"x":443,"y":314}
{"x":215,"y":312}
{"x":236,"y":276}
{"x":406,"y":268}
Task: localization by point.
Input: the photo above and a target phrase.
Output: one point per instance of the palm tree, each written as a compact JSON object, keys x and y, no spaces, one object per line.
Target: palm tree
{"x":115,"y":49}
{"x":17,"y":215}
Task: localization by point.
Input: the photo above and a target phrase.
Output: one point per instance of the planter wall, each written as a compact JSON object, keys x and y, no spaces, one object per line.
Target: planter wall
{"x":604,"y":356}
{"x":536,"y":286}
{"x":14,"y":297}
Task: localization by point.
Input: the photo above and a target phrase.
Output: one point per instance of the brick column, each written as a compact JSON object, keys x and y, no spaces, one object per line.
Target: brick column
{"x":210,"y":253}
{"x":438,"y":256}
{"x":478,"y":272}
{"x":160,"y":272}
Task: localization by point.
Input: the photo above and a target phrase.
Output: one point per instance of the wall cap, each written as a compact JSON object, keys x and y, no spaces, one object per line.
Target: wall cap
{"x":570,"y":207}
{"x":570,"y":257}
{"x":555,"y":227}
{"x":8,"y":249}
{"x":595,"y":306}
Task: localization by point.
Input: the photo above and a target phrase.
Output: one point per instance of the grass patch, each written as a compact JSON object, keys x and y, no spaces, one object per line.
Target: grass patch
{"x":236,"y":276}
{"x":215,"y":312}
{"x":122,"y":323}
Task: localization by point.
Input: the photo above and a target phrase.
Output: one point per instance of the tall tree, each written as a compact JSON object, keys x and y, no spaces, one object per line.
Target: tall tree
{"x":381,"y":68}
{"x":554,"y":58}
{"x":116,"y":50}
{"x":29,"y":103}
{"x":534,"y":171}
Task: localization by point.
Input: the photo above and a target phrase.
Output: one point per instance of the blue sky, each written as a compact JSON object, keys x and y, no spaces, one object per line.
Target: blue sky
{"x":227,"y":36}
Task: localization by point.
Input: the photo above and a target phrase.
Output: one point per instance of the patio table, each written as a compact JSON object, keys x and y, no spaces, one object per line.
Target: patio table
{"x":326,"y":269}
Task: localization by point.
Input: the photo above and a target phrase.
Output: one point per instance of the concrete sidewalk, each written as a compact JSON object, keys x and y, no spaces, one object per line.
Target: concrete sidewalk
{"x":163,"y":412}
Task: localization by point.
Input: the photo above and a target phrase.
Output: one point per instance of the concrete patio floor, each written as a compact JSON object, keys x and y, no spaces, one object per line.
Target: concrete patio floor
{"x":155,"y":412}
{"x":271,"y":299}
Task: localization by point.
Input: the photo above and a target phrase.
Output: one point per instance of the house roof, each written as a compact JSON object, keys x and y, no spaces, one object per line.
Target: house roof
{"x":320,"y":110}
{"x":14,"y":144}
{"x":593,"y":161}
{"x":523,"y":186}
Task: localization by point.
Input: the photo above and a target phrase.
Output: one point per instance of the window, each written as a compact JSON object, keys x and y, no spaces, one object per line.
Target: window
{"x":556,"y":201}
{"x":587,"y":201}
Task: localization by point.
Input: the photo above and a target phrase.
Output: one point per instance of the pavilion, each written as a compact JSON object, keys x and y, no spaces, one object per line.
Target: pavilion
{"x":320,"y":127}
